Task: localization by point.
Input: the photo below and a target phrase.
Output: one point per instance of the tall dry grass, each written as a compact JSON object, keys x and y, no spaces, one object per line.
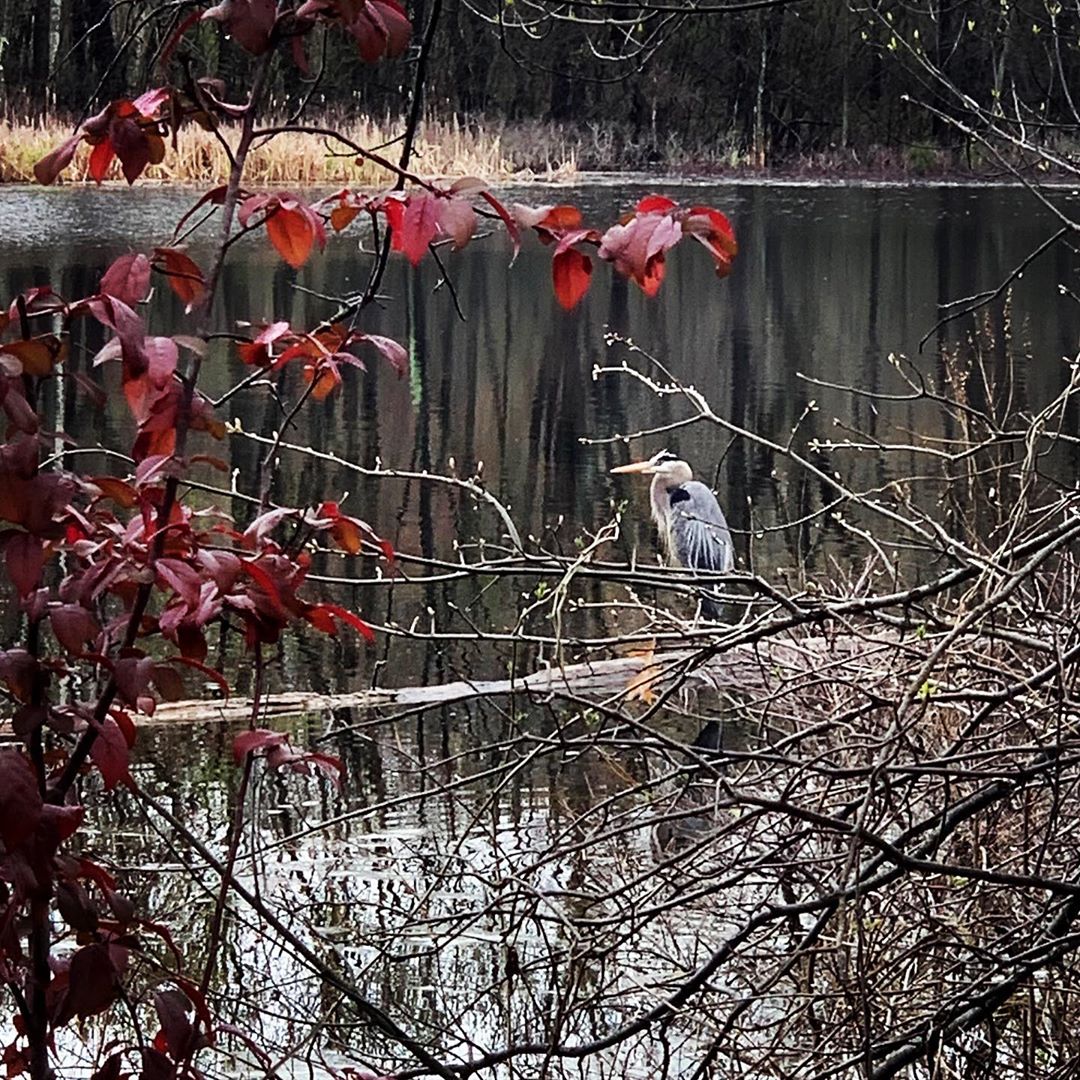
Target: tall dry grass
{"x":443,"y":148}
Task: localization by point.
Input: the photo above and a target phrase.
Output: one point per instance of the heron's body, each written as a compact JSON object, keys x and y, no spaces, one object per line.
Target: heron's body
{"x":692,"y":527}
{"x":693,"y":530}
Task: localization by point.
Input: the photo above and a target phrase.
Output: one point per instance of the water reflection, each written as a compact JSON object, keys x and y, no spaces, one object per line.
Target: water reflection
{"x":461,"y":880}
{"x":828,"y":282}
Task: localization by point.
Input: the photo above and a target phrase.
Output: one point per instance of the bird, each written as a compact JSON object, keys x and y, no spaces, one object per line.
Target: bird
{"x":693,"y":530}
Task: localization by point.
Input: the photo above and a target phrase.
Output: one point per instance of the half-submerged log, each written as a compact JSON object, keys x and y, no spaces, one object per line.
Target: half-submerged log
{"x":754,"y":668}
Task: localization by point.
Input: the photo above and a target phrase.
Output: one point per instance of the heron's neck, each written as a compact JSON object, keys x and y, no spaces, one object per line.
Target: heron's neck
{"x":658,"y":496}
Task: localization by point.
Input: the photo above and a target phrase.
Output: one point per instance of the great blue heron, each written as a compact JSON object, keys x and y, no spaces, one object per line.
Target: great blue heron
{"x":693,"y":530}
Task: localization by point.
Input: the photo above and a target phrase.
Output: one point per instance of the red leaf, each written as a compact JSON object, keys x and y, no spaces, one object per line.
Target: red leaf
{"x":20,"y":799}
{"x":248,"y":742}
{"x":263,"y":525}
{"x":342,"y":215}
{"x":637,"y":248}
{"x":62,"y":822}
{"x":318,"y":615}
{"x":458,"y":221}
{"x":215,"y":197}
{"x":19,"y":669}
{"x":249,"y":22}
{"x":326,"y":376}
{"x":39,"y":300}
{"x":156,"y":1065}
{"x":121,"y":492}
{"x":183,"y":273}
{"x":262,"y":579}
{"x":182,"y":578}
{"x":292,"y":233}
{"x":55,"y":161}
{"x":198,"y":1000}
{"x":257,"y":351}
{"x":655,"y":204}
{"x":381,"y":28}
{"x":508,"y":221}
{"x":132,"y":675}
{"x":390,"y":349}
{"x":211,"y":673}
{"x":37,"y":356}
{"x":192,"y":643}
{"x":75,"y":906}
{"x":530,"y":216}
{"x":560,"y":219}
{"x":296,"y":45}
{"x":100,"y":160}
{"x":149,"y":103}
{"x":414,"y":223}
{"x":170,"y":46}
{"x":571,"y":272}
{"x":712,"y":229}
{"x":127,"y":326}
{"x":128,"y":279}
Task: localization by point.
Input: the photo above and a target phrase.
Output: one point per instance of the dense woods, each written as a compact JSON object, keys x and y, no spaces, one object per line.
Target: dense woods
{"x":640,"y":83}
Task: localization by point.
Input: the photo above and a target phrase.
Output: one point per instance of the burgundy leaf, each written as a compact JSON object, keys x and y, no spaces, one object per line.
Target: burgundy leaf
{"x":25,"y":558}
{"x":75,"y":906}
{"x":156,"y":1066}
{"x":458,"y":221}
{"x":110,"y":753}
{"x":249,"y":22}
{"x":73,"y":626}
{"x":172,"y":1009}
{"x":20,"y":800}
{"x":149,"y":103}
{"x":93,"y":983}
{"x":132,"y":675}
{"x":18,"y":669}
{"x":110,"y":1070}
{"x":132,"y":146}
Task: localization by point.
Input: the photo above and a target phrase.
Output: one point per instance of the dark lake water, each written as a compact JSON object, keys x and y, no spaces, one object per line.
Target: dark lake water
{"x":828,"y":283}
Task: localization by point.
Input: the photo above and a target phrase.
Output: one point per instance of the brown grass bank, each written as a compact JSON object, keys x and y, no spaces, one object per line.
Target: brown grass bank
{"x":449,"y":148}
{"x":500,"y":151}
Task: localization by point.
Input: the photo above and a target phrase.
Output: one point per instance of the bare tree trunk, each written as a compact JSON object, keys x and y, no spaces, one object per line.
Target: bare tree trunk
{"x":40,"y":51}
{"x":759,"y":99}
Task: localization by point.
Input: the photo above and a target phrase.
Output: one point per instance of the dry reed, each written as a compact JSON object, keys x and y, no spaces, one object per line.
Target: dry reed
{"x":443,"y":148}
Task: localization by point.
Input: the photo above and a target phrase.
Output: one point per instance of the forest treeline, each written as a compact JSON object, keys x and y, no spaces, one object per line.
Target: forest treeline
{"x":784,"y":80}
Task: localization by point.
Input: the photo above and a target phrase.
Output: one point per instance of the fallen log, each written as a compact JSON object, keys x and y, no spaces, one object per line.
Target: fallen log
{"x":747,"y":668}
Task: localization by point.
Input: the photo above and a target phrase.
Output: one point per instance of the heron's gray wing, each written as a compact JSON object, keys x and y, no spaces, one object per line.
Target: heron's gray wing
{"x":699,"y":532}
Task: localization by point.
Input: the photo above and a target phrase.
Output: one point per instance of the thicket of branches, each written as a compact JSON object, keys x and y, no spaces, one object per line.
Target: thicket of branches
{"x":648,"y":80}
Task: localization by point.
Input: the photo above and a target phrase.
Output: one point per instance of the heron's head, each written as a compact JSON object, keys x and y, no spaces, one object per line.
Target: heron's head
{"x":670,"y":469}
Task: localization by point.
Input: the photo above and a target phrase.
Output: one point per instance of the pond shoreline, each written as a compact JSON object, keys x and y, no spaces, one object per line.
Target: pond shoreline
{"x":529,"y":153}
{"x":780,"y":178}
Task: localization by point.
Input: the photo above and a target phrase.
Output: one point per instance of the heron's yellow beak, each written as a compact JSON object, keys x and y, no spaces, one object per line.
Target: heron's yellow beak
{"x":634,"y":467}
